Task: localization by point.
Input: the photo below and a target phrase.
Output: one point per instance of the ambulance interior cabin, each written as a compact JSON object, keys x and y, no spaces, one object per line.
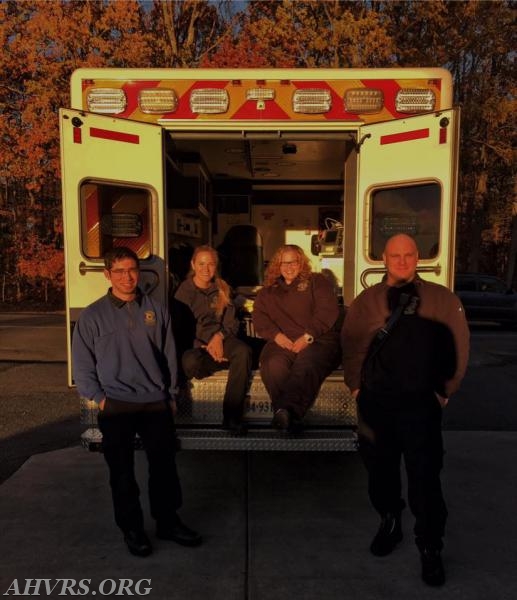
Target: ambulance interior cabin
{"x":248,"y":196}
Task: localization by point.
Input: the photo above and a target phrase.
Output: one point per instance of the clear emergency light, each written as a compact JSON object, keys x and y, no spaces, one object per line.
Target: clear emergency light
{"x":364,"y":100}
{"x":260,"y":94}
{"x":414,"y":100}
{"x":209,"y":101}
{"x":106,"y":100}
{"x":157,"y":100}
{"x":312,"y":101}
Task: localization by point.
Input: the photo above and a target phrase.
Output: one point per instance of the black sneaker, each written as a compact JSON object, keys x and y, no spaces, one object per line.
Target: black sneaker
{"x":388,"y":536}
{"x":432,"y":567}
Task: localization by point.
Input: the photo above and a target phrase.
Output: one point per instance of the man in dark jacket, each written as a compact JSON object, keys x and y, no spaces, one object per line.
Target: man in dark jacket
{"x":405,"y":351}
{"x":124,"y":359}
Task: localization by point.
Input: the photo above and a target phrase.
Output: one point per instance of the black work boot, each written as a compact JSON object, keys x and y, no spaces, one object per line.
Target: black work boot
{"x":432,"y":567}
{"x":388,"y":536}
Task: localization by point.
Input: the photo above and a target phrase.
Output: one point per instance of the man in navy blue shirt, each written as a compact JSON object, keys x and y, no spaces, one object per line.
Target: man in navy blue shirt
{"x":124,"y":359}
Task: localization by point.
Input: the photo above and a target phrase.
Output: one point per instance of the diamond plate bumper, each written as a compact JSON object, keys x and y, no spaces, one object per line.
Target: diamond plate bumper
{"x":329,"y":424}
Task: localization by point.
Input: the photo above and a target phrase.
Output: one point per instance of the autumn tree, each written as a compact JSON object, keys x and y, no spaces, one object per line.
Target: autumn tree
{"x":293,"y":33}
{"x":42,"y":43}
{"x":39,"y":265}
{"x":475,"y":41}
{"x":185,"y":31}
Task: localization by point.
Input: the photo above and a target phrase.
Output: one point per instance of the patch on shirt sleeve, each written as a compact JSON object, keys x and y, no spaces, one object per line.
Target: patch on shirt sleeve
{"x":150,"y":317}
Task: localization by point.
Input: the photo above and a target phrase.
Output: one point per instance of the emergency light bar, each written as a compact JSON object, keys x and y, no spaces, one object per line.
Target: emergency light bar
{"x":209,"y":101}
{"x":312,"y":101}
{"x":412,"y":100}
{"x":157,"y":100}
{"x":216,"y":101}
{"x":364,"y":100}
{"x":106,"y":100}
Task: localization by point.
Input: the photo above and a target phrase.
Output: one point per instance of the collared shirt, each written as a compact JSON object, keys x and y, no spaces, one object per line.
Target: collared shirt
{"x":124,"y":350}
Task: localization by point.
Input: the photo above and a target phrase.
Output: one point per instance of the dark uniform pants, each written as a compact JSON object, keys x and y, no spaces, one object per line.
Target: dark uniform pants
{"x":411,"y":430}
{"x":293,"y":380}
{"x":199,"y":364}
{"x":119,"y":422}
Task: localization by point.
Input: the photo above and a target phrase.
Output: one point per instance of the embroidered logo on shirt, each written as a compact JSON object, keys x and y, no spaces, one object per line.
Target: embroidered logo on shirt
{"x":302,"y":286}
{"x":149,"y":317}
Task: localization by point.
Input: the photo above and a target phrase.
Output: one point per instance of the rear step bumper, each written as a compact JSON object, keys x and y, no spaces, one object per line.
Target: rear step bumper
{"x":318,"y":440}
{"x":329,"y":424}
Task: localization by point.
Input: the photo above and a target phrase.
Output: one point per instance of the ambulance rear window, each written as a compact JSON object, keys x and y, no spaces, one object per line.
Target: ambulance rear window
{"x":413,"y":209}
{"x":114,"y":215}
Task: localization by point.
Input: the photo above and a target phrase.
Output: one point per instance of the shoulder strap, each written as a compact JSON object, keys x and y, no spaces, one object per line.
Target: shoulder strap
{"x":394,"y":317}
{"x":383,"y":333}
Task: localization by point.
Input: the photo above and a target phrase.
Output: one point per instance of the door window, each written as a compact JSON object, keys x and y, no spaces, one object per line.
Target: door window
{"x":112,"y":216}
{"x":413,"y":209}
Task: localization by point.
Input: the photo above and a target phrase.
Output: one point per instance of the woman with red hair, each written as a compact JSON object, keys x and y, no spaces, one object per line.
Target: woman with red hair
{"x":296,"y":312}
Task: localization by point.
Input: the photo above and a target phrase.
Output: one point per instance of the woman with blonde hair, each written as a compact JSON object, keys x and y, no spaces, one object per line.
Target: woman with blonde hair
{"x":208,"y":302}
{"x":296,"y":312}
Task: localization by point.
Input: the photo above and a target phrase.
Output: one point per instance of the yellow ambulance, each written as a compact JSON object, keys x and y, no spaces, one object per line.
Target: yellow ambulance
{"x":334,"y":160}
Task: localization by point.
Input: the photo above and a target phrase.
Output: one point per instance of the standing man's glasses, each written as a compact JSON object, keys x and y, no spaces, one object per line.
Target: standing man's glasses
{"x":121,"y":272}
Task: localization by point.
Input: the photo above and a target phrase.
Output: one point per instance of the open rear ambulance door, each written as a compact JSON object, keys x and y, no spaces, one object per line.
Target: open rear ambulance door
{"x":406,"y":183}
{"x":113,"y":195}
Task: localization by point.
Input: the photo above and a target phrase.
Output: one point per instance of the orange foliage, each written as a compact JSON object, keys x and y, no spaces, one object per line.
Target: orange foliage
{"x":42,"y":43}
{"x":39,"y":261}
{"x":291,"y":33}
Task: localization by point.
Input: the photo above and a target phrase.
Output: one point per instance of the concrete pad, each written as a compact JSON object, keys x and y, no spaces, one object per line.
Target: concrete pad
{"x":276,"y":526}
{"x":56,"y":522}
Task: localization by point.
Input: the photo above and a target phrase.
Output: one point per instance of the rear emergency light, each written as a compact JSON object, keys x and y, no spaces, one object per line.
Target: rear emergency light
{"x":260,"y":94}
{"x":364,"y":100}
{"x":414,"y":100}
{"x":312,"y":101}
{"x":209,"y":101}
{"x":106,"y":100}
{"x":157,"y":100}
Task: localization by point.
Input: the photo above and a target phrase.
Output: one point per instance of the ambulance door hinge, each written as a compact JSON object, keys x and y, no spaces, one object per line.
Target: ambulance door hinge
{"x":361,"y":142}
